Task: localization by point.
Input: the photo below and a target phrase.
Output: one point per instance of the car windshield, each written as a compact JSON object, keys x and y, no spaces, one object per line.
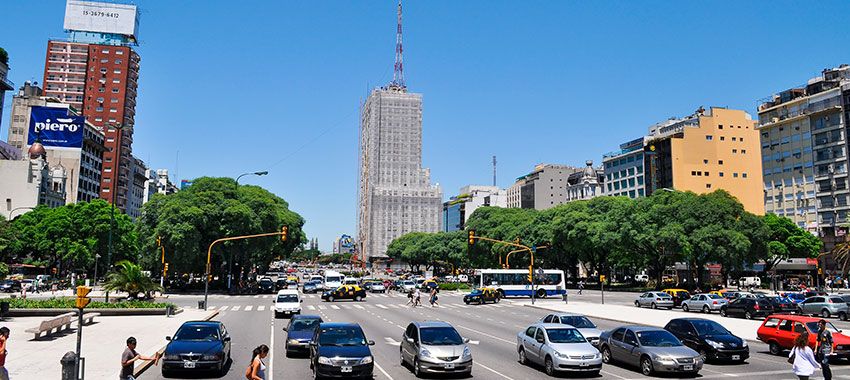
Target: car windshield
{"x":333,"y":279}
{"x":714,"y":296}
{"x":407,"y":283}
{"x":305,"y":324}
{"x":565,"y":336}
{"x":705,"y":327}
{"x":197,"y":332}
{"x":342,"y":336}
{"x":657,"y":338}
{"x":287,"y":298}
{"x":578,"y":322}
{"x":476,"y":292}
{"x":266,"y":281}
{"x":813,"y":327}
{"x":440,"y":336}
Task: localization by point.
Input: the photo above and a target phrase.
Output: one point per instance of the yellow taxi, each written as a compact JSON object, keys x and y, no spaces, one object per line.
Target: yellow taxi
{"x":482,"y":296}
{"x":345,"y":292}
{"x":678,"y":295}
{"x":721,"y":293}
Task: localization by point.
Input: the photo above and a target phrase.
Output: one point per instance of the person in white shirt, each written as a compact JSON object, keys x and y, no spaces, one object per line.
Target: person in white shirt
{"x":802,"y":358}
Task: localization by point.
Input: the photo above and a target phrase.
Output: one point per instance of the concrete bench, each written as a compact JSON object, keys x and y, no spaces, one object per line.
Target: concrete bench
{"x":61,"y":322}
{"x":89,"y":317}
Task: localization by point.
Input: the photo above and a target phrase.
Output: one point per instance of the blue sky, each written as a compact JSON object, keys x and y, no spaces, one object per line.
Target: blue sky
{"x":275,"y":85}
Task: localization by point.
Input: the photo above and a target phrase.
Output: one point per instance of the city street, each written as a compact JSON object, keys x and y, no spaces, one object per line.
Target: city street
{"x":491,"y":328}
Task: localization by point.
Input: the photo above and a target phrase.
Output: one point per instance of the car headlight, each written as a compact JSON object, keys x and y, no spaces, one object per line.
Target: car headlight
{"x":212,"y":357}
{"x":171,"y":357}
{"x":467,"y":352}
{"x":665,"y":360}
{"x":744,"y":344}
{"x":714,"y":344}
{"x":292,"y":341}
{"x":324,"y":360}
{"x":366,"y":360}
{"x":425,"y":353}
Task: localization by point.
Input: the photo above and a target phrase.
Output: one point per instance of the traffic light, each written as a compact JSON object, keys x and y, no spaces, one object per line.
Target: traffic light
{"x":159,"y":241}
{"x":284,"y":232}
{"x":166,"y":267}
{"x":471,"y":241}
{"x":531,"y":274}
{"x":82,"y":300}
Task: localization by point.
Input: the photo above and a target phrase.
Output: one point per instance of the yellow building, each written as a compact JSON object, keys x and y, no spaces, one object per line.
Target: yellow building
{"x":709,"y":150}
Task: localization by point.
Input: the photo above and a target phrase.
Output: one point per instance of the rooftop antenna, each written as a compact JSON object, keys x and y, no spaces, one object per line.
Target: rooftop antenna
{"x":494,"y":170}
{"x":398,"y":69}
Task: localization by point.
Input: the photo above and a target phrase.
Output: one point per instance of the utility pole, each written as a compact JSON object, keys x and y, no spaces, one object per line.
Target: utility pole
{"x":494,"y":170}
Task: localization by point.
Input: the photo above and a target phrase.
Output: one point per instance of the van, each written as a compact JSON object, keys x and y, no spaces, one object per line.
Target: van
{"x":642,"y":278}
{"x":332,"y":280}
{"x":749,"y":281}
{"x":350,"y":281}
{"x":462,"y":278}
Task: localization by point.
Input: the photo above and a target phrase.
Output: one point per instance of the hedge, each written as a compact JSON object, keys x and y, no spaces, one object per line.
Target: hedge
{"x":454,"y":286}
{"x":69,"y":303}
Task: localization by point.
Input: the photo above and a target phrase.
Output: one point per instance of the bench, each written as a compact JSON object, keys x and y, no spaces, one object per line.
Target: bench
{"x":89,"y":318}
{"x":61,"y":322}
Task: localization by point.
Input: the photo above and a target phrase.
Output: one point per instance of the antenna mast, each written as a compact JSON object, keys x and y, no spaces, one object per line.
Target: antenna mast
{"x":398,"y":69}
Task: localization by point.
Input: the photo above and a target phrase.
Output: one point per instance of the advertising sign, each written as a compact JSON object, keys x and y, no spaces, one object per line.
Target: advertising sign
{"x":90,"y":16}
{"x":56,"y":128}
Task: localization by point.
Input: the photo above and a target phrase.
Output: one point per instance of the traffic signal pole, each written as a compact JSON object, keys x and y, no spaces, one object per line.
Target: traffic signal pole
{"x":81,"y":302}
{"x":472,"y":237}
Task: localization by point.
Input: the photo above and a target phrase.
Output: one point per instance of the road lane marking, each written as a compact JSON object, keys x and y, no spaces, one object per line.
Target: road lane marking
{"x":235,"y":308}
{"x":378,"y":366}
{"x":391,"y":341}
{"x":335,"y":307}
{"x":487,"y":335}
{"x":492,"y":370}
{"x":613,"y":374}
{"x":261,"y":307}
{"x":223,"y":308}
{"x":249,"y":308}
{"x":311,"y":307}
{"x":381,"y":306}
{"x":257,"y":296}
{"x":323,"y":307}
{"x":359,"y":307}
{"x":271,"y":357}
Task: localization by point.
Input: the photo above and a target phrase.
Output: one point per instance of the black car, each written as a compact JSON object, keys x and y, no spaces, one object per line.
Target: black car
{"x":266,"y":285}
{"x":280,"y":284}
{"x":481,"y":296}
{"x":709,"y":338}
{"x":341,"y":350}
{"x":310,"y":287}
{"x":197,"y":346}
{"x":299,"y":333}
{"x":748,"y":308}
{"x":782,"y":305}
{"x":10,"y":286}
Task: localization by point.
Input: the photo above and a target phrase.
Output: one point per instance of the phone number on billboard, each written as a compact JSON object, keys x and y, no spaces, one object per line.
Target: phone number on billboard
{"x":100,"y":14}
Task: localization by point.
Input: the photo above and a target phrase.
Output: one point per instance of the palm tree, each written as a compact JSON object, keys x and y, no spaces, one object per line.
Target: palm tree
{"x":129,"y":278}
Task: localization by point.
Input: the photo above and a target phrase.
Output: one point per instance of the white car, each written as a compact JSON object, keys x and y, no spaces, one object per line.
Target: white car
{"x":287,"y":302}
{"x":407,"y":286}
{"x":462,"y":278}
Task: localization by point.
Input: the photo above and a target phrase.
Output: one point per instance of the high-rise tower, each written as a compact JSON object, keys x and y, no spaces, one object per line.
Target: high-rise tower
{"x":395,"y":193}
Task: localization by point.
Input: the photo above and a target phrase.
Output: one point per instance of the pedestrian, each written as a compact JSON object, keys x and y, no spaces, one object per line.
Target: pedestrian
{"x":257,"y":369}
{"x":23,"y":291}
{"x":802,"y":358}
{"x":409,"y":298}
{"x":434,"y":297}
{"x":580,"y":286}
{"x":417,"y":298}
{"x":823,"y":349}
{"x":4,"y":338}
{"x":129,"y":357}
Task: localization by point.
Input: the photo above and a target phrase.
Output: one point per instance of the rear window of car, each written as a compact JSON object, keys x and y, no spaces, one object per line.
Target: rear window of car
{"x":771,"y":322}
{"x":836,"y":300}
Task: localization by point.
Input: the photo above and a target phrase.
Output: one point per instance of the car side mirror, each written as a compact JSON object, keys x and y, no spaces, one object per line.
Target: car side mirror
{"x":541,"y":340}
{"x":168,"y":338}
{"x":285,"y":328}
{"x":371,"y":342}
{"x":313,"y":344}
{"x":410,"y":340}
{"x":465,"y":340}
{"x":227,"y":339}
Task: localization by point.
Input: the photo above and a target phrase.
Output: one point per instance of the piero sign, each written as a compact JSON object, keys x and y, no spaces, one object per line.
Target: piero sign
{"x":54,"y":127}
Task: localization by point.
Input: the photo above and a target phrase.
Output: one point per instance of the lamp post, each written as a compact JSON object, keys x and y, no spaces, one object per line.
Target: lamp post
{"x":19,"y":208}
{"x":112,"y":190}
{"x":230,"y":262}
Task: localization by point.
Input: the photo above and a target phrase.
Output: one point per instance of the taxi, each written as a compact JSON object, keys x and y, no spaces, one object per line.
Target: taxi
{"x":678,"y":295}
{"x":429,"y":284}
{"x":345,"y":292}
{"x":482,"y":296}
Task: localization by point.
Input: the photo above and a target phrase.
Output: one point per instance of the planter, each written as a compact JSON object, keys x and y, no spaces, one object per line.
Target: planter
{"x":103,"y":312}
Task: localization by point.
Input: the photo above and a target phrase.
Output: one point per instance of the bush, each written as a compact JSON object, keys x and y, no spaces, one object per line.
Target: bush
{"x":454,"y":286}
{"x":68,"y":303}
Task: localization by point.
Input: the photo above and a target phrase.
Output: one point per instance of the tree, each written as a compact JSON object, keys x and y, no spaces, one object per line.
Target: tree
{"x":786,"y":240}
{"x":129,"y":278}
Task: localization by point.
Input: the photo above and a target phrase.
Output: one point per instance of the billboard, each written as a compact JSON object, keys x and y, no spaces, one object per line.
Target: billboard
{"x":54,"y":127}
{"x":90,"y":16}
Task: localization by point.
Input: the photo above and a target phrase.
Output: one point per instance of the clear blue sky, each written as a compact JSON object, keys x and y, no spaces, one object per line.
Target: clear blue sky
{"x":275,"y":85}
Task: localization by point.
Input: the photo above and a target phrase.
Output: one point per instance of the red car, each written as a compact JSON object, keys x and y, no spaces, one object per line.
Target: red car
{"x":780,"y":330}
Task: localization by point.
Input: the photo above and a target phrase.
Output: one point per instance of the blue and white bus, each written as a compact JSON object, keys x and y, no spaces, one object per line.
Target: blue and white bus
{"x":514,"y":282}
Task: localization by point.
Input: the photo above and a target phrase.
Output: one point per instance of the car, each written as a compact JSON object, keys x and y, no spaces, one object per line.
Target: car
{"x":721,"y":293}
{"x":429,"y":284}
{"x":266,"y":285}
{"x":587,"y":328}
{"x":419,"y":282}
{"x":779,"y":332}
{"x":747,"y":307}
{"x":287,"y":302}
{"x":650,"y":348}
{"x":796,"y":297}
{"x":782,"y":305}
{"x":435,"y":347}
{"x":654,"y":300}
{"x":299,"y":333}
{"x":482,"y":296}
{"x":344,"y":292}
{"x":197,"y":346}
{"x":642,"y":278}
{"x":280,"y":284}
{"x":310,"y":287}
{"x":558,"y":348}
{"x":10,"y":286}
{"x":407,"y":286}
{"x":709,"y":338}
{"x":377,"y":287}
{"x":705,"y":303}
{"x":341,"y":350}
{"x":678,"y":295}
{"x":462,"y":278}
{"x":825,"y":306}
{"x":749,"y":281}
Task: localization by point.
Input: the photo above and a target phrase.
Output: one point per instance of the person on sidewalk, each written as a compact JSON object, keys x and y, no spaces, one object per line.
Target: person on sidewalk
{"x":802,"y":358}
{"x":129,"y":357}
{"x":823,"y":349}
{"x":257,"y":369}
{"x":580,"y":287}
{"x":4,"y":338}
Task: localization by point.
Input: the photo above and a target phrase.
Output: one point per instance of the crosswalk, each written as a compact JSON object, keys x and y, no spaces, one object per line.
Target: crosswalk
{"x":361,"y":306}
{"x":317,"y":296}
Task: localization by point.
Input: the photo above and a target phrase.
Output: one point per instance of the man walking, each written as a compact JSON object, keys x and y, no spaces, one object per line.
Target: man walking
{"x":129,"y":357}
{"x":580,"y":286}
{"x":824,"y":349}
{"x":4,"y":337}
{"x":417,"y":298}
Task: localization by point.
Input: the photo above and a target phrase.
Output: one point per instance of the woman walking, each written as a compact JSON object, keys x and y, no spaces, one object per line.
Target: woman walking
{"x":433,"y":297}
{"x":802,"y":358}
{"x":257,"y":369}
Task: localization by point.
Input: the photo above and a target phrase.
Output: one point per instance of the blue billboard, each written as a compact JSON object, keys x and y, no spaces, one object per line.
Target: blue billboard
{"x":54,"y":127}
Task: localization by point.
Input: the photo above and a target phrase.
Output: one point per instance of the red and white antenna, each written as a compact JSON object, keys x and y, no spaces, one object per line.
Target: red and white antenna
{"x":398,"y":70}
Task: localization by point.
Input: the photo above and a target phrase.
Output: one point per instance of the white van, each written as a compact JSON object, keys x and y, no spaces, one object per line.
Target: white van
{"x":287,"y":302}
{"x":350,"y":281}
{"x":332,"y":280}
{"x":744,"y":282}
{"x":642,"y":278}
{"x":462,"y":278}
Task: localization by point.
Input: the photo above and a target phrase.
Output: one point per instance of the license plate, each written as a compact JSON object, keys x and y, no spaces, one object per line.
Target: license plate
{"x":449,"y":366}
{"x":188,"y":364}
{"x":687,"y":368}
{"x":345,"y":369}
{"x":584,"y":364}
{"x":736,"y":357}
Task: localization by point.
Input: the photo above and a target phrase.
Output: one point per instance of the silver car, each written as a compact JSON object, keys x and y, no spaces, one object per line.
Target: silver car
{"x":825,"y":306}
{"x":587,"y":328}
{"x":558,"y":348}
{"x":654,"y":300}
{"x":650,"y":348}
{"x":435,"y":347}
{"x":705,"y":303}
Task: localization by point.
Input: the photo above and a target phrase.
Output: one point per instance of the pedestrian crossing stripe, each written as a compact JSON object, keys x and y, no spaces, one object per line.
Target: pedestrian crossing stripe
{"x":350,"y":306}
{"x":235,"y":308}
{"x":249,"y":307}
{"x":323,"y":307}
{"x":381,"y":306}
{"x":261,"y":307}
{"x":335,"y":307}
{"x":311,"y":307}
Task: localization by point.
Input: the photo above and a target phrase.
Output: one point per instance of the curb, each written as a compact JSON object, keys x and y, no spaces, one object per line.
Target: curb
{"x":619,"y":320}
{"x":148,"y":363}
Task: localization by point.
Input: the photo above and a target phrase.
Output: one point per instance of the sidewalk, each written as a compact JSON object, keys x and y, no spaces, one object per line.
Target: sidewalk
{"x":743,"y":328}
{"x":103,"y":343}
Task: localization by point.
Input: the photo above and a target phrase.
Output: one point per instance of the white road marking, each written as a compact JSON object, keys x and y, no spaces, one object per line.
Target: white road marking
{"x":271,"y":358}
{"x":474,"y":342}
{"x":323,"y":307}
{"x":381,"y":306}
{"x":261,"y":307}
{"x":311,"y":307}
{"x":359,"y":307}
{"x":492,"y":370}
{"x":235,"y":308}
{"x":257,"y":296}
{"x":378,"y":366}
{"x":249,"y":308}
{"x":335,"y":307}
{"x":487,"y":335}
{"x":223,"y":308}
{"x":391,"y":341}
{"x":613,"y":374}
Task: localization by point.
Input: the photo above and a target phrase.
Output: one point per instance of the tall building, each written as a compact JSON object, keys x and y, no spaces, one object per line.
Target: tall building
{"x":543,"y":188}
{"x":803,"y":133}
{"x":96,"y":71}
{"x":624,"y":170}
{"x":706,"y":151}
{"x":158,"y":182}
{"x":5,"y":84}
{"x":139,"y":189}
{"x":585,"y":184}
{"x":458,"y":209}
{"x":395,"y":192}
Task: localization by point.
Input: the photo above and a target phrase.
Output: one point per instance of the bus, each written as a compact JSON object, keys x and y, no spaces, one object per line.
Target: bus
{"x":514,"y":282}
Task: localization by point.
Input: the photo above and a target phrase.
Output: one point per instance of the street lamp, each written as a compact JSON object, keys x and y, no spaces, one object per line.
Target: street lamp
{"x":112,"y":190}
{"x":230,"y":262}
{"x":19,"y":208}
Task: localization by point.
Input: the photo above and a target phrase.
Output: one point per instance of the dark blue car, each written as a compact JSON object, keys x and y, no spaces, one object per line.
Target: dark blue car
{"x":299,"y":333}
{"x":795,"y":297}
{"x":197,"y":346}
{"x":341,"y":350}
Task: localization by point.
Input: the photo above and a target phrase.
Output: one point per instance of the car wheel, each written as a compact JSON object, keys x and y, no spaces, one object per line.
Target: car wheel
{"x":166,"y":374}
{"x":653,"y":306}
{"x":723,"y":313}
{"x":748,"y":315}
{"x":416,"y":371}
{"x":498,"y":299}
{"x":706,"y":310}
{"x":522,"y":358}
{"x":330,"y":298}
{"x":774,"y":348}
{"x":541,"y":293}
{"x":704,"y":355}
{"x":358,"y":298}
{"x":480,"y":301}
{"x":401,"y":358}
{"x":646,"y":366}
{"x":549,"y":366}
{"x":685,"y":308}
{"x":842,"y":316}
{"x":606,"y":355}
{"x":824,"y":313}
{"x":466,"y":302}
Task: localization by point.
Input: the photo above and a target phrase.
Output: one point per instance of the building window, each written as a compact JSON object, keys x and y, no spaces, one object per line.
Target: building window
{"x":722,"y":138}
{"x":734,"y":138}
{"x":720,"y":174}
{"x":704,"y":161}
{"x":734,"y":151}
{"x":707,"y":185}
{"x":741,"y":139}
{"x":706,"y":174}
{"x":735,"y":175}
{"x":720,"y":162}
{"x":693,"y":173}
{"x":743,"y":151}
{"x":720,"y":126}
{"x":708,"y":137}
{"x":744,"y":175}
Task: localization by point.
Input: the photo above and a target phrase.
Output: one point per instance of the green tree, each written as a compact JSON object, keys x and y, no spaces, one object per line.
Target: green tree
{"x":129,"y":278}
